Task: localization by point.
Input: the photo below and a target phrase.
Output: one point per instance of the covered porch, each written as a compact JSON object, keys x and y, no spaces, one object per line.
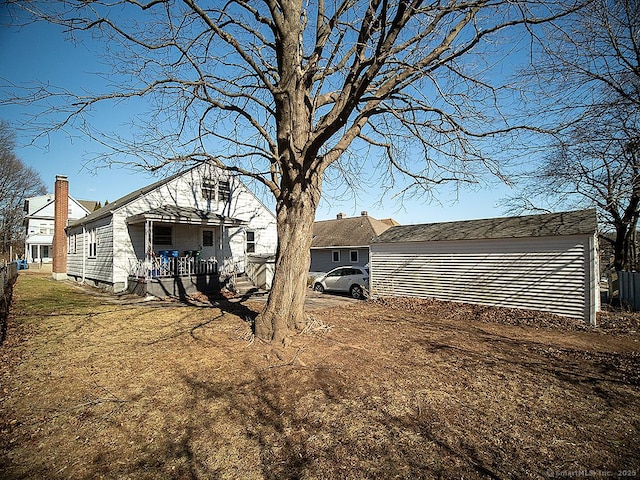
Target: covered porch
{"x":183,"y":250}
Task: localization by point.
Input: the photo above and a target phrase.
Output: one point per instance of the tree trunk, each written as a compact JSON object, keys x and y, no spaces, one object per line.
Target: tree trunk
{"x":283,"y":314}
{"x":619,"y":247}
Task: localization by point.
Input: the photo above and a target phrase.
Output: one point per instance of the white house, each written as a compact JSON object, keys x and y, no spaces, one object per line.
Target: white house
{"x":39,"y":222}
{"x":538,"y":262}
{"x":175,"y":236}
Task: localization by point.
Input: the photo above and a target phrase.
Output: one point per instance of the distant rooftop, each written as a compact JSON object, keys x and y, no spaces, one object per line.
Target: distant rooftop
{"x":349,"y":231}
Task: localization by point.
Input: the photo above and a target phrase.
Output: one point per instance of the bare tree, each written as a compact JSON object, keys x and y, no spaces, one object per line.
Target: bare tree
{"x":290,"y":93}
{"x":590,"y":69}
{"x":17,"y":183}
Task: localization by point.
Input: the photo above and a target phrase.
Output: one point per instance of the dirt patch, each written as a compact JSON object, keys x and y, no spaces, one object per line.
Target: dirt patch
{"x":396,"y":389}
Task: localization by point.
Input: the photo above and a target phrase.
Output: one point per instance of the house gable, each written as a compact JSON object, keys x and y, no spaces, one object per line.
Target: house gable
{"x":183,"y":189}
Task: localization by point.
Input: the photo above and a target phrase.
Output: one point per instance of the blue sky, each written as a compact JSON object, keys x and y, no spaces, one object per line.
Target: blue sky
{"x":40,"y":53}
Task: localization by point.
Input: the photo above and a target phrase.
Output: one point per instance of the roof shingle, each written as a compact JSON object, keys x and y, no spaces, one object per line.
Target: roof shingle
{"x":348,"y":232}
{"x":564,"y":223}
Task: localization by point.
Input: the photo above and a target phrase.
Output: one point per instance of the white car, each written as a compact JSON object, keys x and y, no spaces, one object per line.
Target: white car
{"x":354,"y":280}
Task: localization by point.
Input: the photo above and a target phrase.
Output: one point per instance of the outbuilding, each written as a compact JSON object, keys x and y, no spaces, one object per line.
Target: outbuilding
{"x":538,"y":262}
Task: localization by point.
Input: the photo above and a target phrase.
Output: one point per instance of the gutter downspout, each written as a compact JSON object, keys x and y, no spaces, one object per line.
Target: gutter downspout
{"x":84,"y":251}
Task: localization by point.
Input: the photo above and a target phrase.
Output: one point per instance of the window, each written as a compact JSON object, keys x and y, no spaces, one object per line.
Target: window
{"x":353,"y":256}
{"x":207,"y":238}
{"x":251,"y":241}
{"x":93,"y":245}
{"x":224,"y":190}
{"x":216,"y":189}
{"x":44,"y":251}
{"x":162,"y":235}
{"x":209,"y":189}
{"x":338,"y":273}
{"x":336,"y":256}
{"x":73,"y":243}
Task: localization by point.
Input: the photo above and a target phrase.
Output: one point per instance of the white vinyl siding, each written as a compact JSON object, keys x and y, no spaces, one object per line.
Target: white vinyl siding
{"x":92,"y":263}
{"x":545,"y":273}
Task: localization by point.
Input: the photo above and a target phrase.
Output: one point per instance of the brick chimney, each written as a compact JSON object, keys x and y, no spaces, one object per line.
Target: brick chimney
{"x":61,"y":215}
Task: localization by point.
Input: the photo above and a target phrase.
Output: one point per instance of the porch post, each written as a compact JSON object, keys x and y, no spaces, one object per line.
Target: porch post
{"x":148,"y":246}
{"x":85,"y":246}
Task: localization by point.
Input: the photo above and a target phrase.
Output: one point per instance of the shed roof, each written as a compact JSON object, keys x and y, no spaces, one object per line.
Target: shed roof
{"x":581,"y":222}
{"x":348,"y":232}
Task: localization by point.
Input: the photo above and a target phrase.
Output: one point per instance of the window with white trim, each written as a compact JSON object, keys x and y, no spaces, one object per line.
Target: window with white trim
{"x":335,"y":255}
{"x":93,"y":243}
{"x":353,"y":256}
{"x":209,"y":189}
{"x":73,"y":243}
{"x":251,"y":241}
{"x":224,"y":190}
{"x":216,"y":189}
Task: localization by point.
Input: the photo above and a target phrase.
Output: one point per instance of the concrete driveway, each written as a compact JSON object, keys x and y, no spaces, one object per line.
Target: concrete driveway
{"x":317,"y":300}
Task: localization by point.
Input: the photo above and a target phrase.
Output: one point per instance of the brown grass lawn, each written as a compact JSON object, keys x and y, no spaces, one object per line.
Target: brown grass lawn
{"x":98,"y":387}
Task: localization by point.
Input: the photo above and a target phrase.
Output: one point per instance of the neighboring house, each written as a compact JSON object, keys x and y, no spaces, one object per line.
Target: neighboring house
{"x":538,"y":262}
{"x":173,"y":237}
{"x":344,"y":241}
{"x":39,"y":220}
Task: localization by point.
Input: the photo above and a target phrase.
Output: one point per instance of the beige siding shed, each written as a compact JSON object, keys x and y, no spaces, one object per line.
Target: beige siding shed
{"x":537,"y":262}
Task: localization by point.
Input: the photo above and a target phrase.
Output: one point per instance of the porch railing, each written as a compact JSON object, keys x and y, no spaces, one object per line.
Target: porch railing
{"x":164,"y":267}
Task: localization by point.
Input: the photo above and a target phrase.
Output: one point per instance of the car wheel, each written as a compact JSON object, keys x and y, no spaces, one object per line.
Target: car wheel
{"x":318,"y":288}
{"x":356,"y":291}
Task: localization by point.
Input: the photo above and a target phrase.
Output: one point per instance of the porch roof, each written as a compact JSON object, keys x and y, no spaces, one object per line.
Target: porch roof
{"x":184,"y":215}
